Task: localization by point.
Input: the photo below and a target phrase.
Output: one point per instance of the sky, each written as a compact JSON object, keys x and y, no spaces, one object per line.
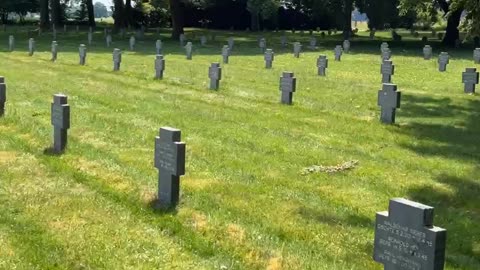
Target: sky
{"x":106,"y":2}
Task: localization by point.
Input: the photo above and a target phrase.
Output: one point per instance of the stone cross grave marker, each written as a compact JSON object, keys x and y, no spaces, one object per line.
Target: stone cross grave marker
{"x":387,"y":70}
{"x":170,"y":162}
{"x":313,"y":43}
{"x":189,"y":50}
{"x":269,"y":57}
{"x":31,"y":46}
{"x":132,"y":43}
{"x":338,"y":53}
{"x":427,"y":52}
{"x":346,"y":46}
{"x":215,"y":75}
{"x":225,"y":53}
{"x":108,"y":40}
{"x":231,"y":42}
{"x":405,"y":238}
{"x":283,"y":41}
{"x":389,"y":101}
{"x":60,"y":111}
{"x":117,"y":59}
{"x":82,"y":52}
{"x":159,"y":66}
{"x":11,"y":43}
{"x":182,"y":40}
{"x":476,"y":56}
{"x":90,"y":38}
{"x":3,"y":95}
{"x":158,"y":46}
{"x":322,"y":65}
{"x":383,"y":46}
{"x":443,"y":60}
{"x":386,"y":54}
{"x":203,"y":40}
{"x":54,"y":51}
{"x":288,"y":85}
{"x":262,"y":44}
{"x":297,"y":49}
{"x":470,"y":79}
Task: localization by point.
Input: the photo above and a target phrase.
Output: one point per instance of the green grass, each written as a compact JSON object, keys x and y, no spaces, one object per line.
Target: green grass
{"x":245,"y":203}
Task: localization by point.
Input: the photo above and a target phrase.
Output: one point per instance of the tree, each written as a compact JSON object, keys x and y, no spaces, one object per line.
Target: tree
{"x":261,"y":9}
{"x":100,"y":10}
{"x":56,"y":12}
{"x":44,"y":15}
{"x":176,"y":11}
{"x":90,"y":12}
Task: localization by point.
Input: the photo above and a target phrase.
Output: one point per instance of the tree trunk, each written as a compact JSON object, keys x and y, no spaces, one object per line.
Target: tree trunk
{"x":118,"y":14}
{"x":254,"y":21}
{"x":452,"y":33}
{"x":44,"y":15}
{"x":91,"y":14}
{"x":128,"y":13}
{"x":177,"y":18}
{"x":56,"y":12}
{"x":347,"y":19}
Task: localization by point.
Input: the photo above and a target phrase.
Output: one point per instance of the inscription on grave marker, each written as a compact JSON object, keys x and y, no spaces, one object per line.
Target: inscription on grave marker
{"x":159,"y":66}
{"x":443,"y":61}
{"x":117,"y":59}
{"x":215,"y":75}
{"x":297,"y":49}
{"x":322,"y":65}
{"x":405,"y":238}
{"x":470,"y":79}
{"x":288,"y":85}
{"x":338,"y":53}
{"x":427,"y":52}
{"x":389,"y":101}
{"x":269,"y":57}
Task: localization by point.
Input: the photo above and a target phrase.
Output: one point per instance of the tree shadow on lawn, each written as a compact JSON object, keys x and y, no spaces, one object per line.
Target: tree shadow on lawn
{"x":460,"y":141}
{"x":459,"y":213}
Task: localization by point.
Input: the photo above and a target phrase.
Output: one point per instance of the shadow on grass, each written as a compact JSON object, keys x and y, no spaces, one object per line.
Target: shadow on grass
{"x":457,"y":210}
{"x":458,"y":140}
{"x":335,"y":220}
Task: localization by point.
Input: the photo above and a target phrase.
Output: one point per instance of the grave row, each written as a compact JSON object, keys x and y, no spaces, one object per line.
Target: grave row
{"x":405,"y":237}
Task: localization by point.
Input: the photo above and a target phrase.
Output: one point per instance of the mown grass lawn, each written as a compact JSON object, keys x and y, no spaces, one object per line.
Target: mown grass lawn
{"x":245,"y":203}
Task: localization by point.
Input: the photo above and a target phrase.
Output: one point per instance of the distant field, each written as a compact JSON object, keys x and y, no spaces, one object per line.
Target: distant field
{"x":245,"y":203}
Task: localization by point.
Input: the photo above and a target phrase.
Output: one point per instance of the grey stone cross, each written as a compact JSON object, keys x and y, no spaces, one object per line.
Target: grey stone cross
{"x":203,"y":40}
{"x":470,"y":79}
{"x":158,"y":46}
{"x":406,"y":239}
{"x":389,"y":101}
{"x":54,"y":51}
{"x":90,"y":38}
{"x":313,"y":43}
{"x":11,"y":43}
{"x":338,"y":53}
{"x":283,"y":41}
{"x":132,"y":43}
{"x":82,"y":52}
{"x":182,"y":40}
{"x":383,"y":46}
{"x":262,"y":44}
{"x":189,"y":50}
{"x":427,"y":52}
{"x":60,"y":111}
{"x":387,"y":70}
{"x":269,"y":57}
{"x":346,"y":46}
{"x":476,"y":56}
{"x":159,"y":66}
{"x":225,"y":53}
{"x":117,"y":59}
{"x":297,"y":49}
{"x":170,"y":162}
{"x":443,"y":60}
{"x":231,"y":42}
{"x":288,"y":85}
{"x":108,"y":40}
{"x":322,"y":65}
{"x":386,"y":54}
{"x":215,"y":75}
{"x":3,"y":95}
{"x":31,"y":46}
